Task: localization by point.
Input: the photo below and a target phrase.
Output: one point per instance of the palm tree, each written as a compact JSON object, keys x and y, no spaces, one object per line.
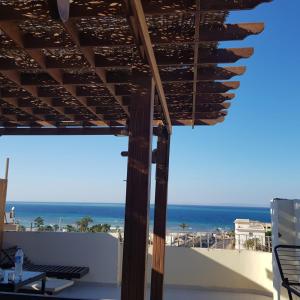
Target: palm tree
{"x":55,"y":227}
{"x":39,"y":223}
{"x":100,"y":228}
{"x":83,"y":223}
{"x":21,"y":228}
{"x":70,"y":228}
{"x":183,"y":226}
{"x":48,"y":228}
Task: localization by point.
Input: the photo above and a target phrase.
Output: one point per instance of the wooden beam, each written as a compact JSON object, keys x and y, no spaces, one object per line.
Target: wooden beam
{"x":3,"y":193}
{"x":196,"y":58}
{"x":122,"y":131}
{"x":160,"y":216}
{"x":137,"y":197}
{"x":140,"y":20}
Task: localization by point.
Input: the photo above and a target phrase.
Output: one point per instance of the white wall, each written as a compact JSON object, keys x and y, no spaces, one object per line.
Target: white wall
{"x":98,"y":251}
{"x":194,"y":267}
{"x":219,"y":269}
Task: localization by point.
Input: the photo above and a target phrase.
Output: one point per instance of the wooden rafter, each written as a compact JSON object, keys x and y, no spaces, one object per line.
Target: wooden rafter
{"x":82,"y":69}
{"x":205,"y":73}
{"x":208,"y":33}
{"x":42,"y":120}
{"x":141,"y":24}
{"x":15,"y":77}
{"x":14,"y":119}
{"x":206,"y":56}
{"x":89,"y":55}
{"x":12,"y":31}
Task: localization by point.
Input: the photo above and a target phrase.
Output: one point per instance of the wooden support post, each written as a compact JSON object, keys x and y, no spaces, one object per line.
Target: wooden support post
{"x":138,"y":195}
{"x":160,"y":214}
{"x":3,"y":192}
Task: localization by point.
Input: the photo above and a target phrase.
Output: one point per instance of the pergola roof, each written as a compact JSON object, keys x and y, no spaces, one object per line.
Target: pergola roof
{"x":81,"y":70}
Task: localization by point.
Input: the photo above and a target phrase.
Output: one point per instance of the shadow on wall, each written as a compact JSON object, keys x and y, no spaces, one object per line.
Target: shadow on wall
{"x":247,"y":271}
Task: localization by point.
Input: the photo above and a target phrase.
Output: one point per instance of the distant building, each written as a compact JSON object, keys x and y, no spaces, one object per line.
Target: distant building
{"x":9,"y":221}
{"x":246,"y":229}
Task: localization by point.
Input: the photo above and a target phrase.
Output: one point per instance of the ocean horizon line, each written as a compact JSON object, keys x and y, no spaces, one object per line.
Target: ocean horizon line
{"x":151,"y":204}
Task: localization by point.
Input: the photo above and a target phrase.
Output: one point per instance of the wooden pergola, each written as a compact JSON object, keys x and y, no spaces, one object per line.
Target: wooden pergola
{"x":122,"y":67}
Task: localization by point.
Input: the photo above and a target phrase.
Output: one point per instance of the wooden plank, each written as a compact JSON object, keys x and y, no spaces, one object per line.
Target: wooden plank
{"x":196,"y":56}
{"x":137,"y":196}
{"x":142,"y":26}
{"x":3,"y":191}
{"x":160,"y":216}
{"x":122,"y":131}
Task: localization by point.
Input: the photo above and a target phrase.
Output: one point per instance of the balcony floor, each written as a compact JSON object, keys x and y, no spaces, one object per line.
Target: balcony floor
{"x":110,"y":292}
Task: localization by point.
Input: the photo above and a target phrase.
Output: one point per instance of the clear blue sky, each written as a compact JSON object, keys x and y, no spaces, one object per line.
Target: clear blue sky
{"x":250,"y":158}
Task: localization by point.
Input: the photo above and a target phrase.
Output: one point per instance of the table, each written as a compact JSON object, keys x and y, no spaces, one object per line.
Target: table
{"x":27,"y":277}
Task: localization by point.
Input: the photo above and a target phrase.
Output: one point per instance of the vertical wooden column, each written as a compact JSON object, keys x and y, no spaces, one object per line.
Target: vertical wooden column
{"x":138,"y":194}
{"x":160,"y":214}
{"x":3,"y":192}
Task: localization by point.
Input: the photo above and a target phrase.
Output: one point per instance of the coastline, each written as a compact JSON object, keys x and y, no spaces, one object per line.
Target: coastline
{"x":199,"y":218}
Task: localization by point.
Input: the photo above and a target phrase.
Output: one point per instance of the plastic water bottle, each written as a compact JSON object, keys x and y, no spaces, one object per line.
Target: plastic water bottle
{"x":19,"y":257}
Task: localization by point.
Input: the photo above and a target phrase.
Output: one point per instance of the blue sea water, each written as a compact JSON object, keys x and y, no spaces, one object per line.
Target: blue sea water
{"x":198,"y":217}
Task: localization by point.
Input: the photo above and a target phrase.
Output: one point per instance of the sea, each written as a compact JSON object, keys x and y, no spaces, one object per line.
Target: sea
{"x":202,"y":218}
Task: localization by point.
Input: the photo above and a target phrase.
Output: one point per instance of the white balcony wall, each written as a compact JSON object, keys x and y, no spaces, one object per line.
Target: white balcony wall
{"x":231,"y":270}
{"x":98,"y":251}
{"x":219,"y":269}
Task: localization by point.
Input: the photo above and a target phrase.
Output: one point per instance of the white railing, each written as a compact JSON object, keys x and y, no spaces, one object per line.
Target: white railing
{"x":219,"y":241}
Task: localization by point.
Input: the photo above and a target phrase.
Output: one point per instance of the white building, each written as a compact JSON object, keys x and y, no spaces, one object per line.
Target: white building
{"x":246,"y":229}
